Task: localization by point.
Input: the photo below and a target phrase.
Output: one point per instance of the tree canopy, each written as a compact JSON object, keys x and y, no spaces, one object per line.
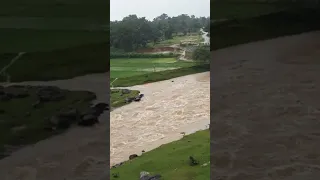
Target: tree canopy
{"x":134,"y":32}
{"x":202,"y":54}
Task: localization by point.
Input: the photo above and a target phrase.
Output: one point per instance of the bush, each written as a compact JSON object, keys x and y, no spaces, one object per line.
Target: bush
{"x":201,"y":54}
{"x":115,"y":55}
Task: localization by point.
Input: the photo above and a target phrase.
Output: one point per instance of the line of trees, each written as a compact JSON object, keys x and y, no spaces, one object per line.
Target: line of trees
{"x":134,"y":32}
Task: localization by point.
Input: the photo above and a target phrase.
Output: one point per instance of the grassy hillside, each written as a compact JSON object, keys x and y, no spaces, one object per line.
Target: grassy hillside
{"x":172,"y":160}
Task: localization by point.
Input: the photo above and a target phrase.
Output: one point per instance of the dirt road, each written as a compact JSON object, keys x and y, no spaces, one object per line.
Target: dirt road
{"x":265,"y":110}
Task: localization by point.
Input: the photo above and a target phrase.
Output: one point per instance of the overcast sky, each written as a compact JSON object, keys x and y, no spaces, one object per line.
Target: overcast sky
{"x":153,"y":8}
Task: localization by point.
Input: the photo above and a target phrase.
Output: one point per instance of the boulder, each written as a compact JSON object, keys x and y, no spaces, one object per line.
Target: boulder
{"x":117,"y":165}
{"x":146,"y":176}
{"x":138,"y":98}
{"x":132,"y":156}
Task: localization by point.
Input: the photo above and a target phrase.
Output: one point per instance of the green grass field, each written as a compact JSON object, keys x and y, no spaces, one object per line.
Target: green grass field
{"x":145,"y":70}
{"x":122,"y":68}
{"x":172,"y":160}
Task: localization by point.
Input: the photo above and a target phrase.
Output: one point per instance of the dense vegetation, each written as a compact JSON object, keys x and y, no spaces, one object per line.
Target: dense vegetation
{"x":202,"y":54}
{"x":134,"y":32}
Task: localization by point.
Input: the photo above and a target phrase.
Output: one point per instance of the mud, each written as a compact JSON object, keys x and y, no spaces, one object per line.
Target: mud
{"x":265,"y":112}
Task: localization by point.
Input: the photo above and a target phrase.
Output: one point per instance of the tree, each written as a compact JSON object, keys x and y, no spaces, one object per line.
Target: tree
{"x":132,"y":32}
{"x":201,"y":54}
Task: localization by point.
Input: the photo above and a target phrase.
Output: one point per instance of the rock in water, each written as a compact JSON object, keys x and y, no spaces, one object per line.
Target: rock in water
{"x":132,"y":156}
{"x":138,"y":98}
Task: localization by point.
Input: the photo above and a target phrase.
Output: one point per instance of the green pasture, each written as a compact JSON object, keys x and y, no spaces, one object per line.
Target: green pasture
{"x":122,"y":68}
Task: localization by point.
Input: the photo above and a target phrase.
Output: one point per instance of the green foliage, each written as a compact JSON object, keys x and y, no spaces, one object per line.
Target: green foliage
{"x":141,"y":55}
{"x":132,"y":32}
{"x":201,"y":54}
{"x":118,"y":99}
